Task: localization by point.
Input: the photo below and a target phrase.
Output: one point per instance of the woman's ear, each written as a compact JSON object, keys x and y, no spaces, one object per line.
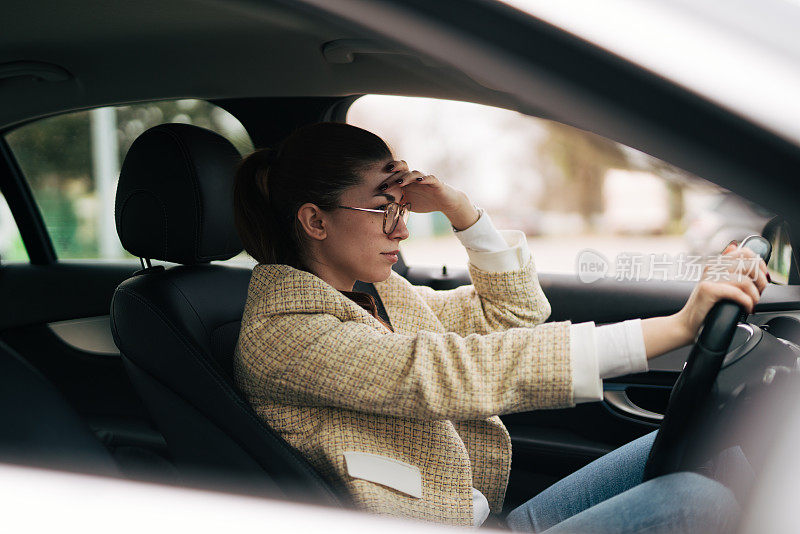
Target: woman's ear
{"x":312,"y":220}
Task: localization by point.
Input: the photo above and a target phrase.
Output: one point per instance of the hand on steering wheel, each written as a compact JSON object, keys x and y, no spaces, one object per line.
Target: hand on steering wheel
{"x":740,"y":277}
{"x":727,"y":301}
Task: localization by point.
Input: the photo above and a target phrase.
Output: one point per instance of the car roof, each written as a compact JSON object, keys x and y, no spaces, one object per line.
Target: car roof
{"x":470,"y":50}
{"x":116,"y":52}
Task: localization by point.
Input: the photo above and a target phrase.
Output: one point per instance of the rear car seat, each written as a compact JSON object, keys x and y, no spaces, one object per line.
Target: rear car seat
{"x":38,"y":427}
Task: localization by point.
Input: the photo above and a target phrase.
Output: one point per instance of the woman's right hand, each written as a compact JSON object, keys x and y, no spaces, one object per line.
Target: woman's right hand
{"x":426,"y":193}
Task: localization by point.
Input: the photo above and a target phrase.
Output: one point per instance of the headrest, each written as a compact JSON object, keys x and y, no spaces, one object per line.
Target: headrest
{"x":175,"y":196}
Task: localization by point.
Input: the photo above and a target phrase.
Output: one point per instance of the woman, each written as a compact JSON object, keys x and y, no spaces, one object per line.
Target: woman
{"x":403,"y":414}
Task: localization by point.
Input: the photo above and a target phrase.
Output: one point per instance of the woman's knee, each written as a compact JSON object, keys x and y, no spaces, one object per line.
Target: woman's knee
{"x":679,"y":502}
{"x":699,"y":503}
{"x":521,"y":519}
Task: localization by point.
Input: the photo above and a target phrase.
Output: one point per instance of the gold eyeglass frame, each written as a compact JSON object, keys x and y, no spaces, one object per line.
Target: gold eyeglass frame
{"x":402,"y":212}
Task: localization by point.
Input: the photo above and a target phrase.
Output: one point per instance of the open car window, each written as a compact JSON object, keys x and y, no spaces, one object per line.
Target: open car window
{"x":72,"y":162}
{"x":588,"y":205}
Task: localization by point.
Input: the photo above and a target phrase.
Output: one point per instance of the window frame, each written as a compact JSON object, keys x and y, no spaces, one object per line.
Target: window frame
{"x":27,"y":214}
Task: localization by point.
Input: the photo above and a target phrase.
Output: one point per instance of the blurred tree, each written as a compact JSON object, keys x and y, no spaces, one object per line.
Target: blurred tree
{"x":134,"y":119}
{"x":580,"y":161}
{"x":52,"y":146}
{"x":55,"y":157}
{"x":676,"y":181}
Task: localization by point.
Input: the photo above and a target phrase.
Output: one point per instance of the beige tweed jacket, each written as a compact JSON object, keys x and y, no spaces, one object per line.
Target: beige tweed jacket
{"x":330,"y":379}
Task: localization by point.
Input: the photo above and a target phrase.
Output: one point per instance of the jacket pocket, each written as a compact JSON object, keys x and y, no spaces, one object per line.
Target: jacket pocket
{"x":388,"y":472}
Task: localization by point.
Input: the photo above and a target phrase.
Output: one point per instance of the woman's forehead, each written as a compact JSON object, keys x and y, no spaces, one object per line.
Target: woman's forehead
{"x":372,"y":178}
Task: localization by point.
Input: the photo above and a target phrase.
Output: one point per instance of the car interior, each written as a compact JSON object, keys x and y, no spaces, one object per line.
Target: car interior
{"x":157,"y":401}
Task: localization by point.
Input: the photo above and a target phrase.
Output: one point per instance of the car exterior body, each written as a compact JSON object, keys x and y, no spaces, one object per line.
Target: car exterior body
{"x":274,"y":65}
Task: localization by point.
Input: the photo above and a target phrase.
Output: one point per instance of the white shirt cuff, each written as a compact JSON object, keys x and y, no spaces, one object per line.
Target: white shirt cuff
{"x":482,"y":235}
{"x":620,"y":349}
{"x":480,"y":508}
{"x":492,"y":250}
{"x":586,"y":383}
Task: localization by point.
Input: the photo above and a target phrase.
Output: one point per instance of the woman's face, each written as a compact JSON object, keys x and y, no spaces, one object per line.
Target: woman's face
{"x":355,"y":247}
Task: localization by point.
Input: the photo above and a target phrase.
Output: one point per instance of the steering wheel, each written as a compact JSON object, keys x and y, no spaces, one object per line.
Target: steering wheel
{"x":674,"y":447}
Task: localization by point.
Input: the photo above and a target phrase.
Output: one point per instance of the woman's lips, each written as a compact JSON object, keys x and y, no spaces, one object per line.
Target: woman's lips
{"x":391,"y":255}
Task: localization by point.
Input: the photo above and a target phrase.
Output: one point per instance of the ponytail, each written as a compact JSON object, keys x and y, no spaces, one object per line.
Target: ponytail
{"x":252,"y":209}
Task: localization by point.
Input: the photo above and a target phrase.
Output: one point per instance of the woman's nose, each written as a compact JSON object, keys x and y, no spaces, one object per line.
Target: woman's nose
{"x":401,"y":230}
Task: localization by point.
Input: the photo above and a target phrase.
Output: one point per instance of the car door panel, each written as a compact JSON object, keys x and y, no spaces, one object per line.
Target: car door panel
{"x":88,"y":334}
{"x":60,"y":325}
{"x":60,"y":291}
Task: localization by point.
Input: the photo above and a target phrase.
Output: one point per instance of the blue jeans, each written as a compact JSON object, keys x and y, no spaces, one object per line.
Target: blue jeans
{"x":608,"y":496}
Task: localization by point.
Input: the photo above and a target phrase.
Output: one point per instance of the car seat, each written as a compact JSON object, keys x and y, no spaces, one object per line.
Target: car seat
{"x":38,"y":427}
{"x":177,"y":327}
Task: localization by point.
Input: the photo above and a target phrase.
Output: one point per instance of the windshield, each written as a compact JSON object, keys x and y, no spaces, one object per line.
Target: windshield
{"x":741,"y":54}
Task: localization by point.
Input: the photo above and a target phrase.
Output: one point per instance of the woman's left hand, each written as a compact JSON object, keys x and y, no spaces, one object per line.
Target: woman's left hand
{"x":426,"y":194}
{"x":742,"y":281}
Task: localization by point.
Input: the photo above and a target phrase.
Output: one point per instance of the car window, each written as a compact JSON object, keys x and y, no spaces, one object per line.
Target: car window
{"x":11,"y":246}
{"x":580,"y":198}
{"x":72,"y":163}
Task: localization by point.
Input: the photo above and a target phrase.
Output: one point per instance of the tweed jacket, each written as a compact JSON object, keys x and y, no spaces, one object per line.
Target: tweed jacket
{"x":331,"y":379}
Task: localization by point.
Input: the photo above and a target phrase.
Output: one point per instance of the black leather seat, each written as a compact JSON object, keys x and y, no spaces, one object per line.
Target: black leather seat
{"x":177,"y":327}
{"x":38,"y":426}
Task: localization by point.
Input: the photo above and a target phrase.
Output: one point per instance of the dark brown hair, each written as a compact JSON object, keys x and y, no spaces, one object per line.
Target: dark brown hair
{"x":316,"y":164}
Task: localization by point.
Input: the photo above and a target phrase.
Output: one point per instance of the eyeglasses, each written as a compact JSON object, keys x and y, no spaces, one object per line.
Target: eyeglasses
{"x":392,"y":213}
